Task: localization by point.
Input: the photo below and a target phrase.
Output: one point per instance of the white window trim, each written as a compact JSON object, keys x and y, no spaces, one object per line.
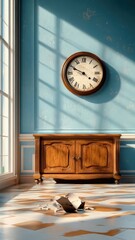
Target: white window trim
{"x":8,"y":179}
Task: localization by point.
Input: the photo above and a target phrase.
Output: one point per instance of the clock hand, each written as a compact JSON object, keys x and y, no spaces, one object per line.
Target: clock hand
{"x":76,"y":69}
{"x":83,"y":73}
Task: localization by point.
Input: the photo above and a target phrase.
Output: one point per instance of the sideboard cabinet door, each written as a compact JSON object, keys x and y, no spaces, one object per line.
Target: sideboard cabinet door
{"x":94,"y":156}
{"x":57,"y":156}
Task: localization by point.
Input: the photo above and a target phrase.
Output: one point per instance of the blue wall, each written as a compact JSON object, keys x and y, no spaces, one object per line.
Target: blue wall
{"x":53,"y":30}
{"x":50,"y":31}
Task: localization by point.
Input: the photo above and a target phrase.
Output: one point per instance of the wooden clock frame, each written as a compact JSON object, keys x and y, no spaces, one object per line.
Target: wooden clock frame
{"x":64,"y":73}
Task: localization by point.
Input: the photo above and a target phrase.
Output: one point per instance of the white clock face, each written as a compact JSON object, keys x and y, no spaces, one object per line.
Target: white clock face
{"x":84,"y":73}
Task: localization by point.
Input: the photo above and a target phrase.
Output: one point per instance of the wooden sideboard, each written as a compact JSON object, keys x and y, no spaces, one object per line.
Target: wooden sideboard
{"x":77,"y":156}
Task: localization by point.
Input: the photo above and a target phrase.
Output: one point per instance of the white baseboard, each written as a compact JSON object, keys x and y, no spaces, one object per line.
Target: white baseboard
{"x":26,"y":179}
{"x":4,"y":183}
{"x":127,"y":179}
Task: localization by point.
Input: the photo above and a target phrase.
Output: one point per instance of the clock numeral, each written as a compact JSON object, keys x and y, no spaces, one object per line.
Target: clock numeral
{"x":69,"y":73}
{"x":71,"y":80}
{"x":95,"y":66}
{"x":84,"y":60}
{"x":97,"y":72}
{"x":84,"y":87}
{"x":90,"y":61}
{"x":76,"y":85}
{"x":91,"y":85}
{"x":77,"y":61}
{"x":95,"y":79}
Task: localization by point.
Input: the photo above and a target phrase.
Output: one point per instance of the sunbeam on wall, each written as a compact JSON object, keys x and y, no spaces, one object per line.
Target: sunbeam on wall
{"x":49,"y":33}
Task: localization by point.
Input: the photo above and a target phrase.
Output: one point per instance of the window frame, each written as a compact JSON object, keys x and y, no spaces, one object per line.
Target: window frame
{"x":11,"y":177}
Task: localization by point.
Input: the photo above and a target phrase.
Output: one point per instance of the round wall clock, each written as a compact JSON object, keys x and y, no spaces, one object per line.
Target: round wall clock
{"x":83,"y":73}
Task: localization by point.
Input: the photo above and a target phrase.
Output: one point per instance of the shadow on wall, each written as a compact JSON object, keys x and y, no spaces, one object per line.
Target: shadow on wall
{"x":110,"y":88}
{"x":108,"y":22}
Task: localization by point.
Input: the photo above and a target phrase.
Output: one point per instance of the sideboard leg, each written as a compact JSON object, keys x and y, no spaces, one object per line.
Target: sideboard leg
{"x":116,"y":181}
{"x":37,"y":181}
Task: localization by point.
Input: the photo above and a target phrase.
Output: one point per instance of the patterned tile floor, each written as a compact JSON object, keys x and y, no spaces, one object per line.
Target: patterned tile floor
{"x":23,"y":215}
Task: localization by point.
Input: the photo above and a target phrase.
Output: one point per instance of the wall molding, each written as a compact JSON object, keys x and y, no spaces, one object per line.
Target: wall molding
{"x":128,"y":171}
{"x":23,"y":157}
{"x":127,"y":137}
{"x":26,"y":137}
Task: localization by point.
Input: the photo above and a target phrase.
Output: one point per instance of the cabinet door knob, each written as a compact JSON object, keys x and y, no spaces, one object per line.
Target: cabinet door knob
{"x":73,"y":157}
{"x":78,"y":158}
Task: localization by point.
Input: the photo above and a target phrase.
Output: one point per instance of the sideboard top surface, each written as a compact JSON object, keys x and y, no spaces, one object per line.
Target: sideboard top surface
{"x":76,"y":136}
